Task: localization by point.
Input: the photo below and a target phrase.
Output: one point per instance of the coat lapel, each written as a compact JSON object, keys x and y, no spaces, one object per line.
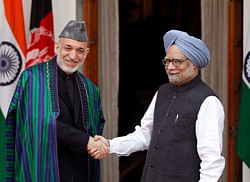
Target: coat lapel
{"x":52,"y":77}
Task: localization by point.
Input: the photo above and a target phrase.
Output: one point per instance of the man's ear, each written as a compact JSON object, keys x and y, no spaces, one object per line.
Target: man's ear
{"x":56,"y":46}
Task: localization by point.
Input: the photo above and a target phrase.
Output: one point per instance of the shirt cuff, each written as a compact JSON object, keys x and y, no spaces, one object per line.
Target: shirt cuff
{"x":113,"y":147}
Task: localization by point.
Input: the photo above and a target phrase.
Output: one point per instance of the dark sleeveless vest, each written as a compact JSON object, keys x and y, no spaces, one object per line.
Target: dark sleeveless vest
{"x":172,"y":154}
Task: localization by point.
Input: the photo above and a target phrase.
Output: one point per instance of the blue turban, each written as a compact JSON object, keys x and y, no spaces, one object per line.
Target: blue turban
{"x":193,"y":48}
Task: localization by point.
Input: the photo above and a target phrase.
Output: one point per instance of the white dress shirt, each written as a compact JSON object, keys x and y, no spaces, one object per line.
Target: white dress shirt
{"x":209,"y":129}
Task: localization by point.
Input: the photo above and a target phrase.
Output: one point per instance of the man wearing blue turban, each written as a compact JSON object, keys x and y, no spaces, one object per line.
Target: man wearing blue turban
{"x":182,"y":128}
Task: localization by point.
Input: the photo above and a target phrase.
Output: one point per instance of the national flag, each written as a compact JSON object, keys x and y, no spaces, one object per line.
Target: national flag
{"x":243,"y":142}
{"x":12,"y":49}
{"x":41,"y":43}
{"x":2,"y":147}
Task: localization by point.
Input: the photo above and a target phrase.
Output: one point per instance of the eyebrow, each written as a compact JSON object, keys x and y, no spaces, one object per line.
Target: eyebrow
{"x":67,"y":45}
{"x":80,"y":48}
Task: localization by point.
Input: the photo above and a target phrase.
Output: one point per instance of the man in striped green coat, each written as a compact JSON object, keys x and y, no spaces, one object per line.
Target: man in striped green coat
{"x":53,"y":115}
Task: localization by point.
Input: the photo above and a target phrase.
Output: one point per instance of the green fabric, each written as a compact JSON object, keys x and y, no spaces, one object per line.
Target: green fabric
{"x":243,"y":139}
{"x":2,"y":147}
{"x":31,"y":124}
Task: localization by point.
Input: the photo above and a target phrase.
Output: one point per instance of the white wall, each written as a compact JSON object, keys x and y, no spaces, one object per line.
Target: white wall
{"x":246,"y":18}
{"x":63,"y":11}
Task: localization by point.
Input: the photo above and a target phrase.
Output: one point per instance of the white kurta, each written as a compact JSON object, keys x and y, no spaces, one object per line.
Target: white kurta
{"x":209,"y":129}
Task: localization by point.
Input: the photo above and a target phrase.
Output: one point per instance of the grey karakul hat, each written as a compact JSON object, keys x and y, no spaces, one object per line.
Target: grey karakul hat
{"x":75,"y":30}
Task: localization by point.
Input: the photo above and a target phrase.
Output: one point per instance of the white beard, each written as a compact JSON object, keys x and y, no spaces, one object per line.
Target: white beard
{"x":181,"y":78}
{"x":66,"y":69}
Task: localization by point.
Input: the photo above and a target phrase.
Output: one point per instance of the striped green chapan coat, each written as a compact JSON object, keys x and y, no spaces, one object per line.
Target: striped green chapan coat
{"x":31,"y":142}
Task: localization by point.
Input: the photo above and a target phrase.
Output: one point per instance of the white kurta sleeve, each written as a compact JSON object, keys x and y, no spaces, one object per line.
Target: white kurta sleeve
{"x":209,"y":130}
{"x":139,"y":139}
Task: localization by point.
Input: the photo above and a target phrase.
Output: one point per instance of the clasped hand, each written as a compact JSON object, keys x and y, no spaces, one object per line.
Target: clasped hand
{"x":98,"y":147}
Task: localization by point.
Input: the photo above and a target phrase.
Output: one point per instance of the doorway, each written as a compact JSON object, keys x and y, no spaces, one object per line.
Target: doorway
{"x":142,"y":26}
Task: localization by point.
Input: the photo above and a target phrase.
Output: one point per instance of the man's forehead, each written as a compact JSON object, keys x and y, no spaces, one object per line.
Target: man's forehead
{"x":174,"y":51}
{"x":71,"y":42}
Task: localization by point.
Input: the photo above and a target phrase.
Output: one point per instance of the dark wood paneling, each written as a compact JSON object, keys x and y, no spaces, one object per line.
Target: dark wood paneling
{"x":235,"y":47}
{"x":90,"y":15}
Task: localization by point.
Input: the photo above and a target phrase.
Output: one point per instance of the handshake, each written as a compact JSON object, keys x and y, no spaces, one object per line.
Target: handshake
{"x":98,"y":147}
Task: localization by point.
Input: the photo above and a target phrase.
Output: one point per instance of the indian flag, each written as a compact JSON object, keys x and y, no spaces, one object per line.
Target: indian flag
{"x":12,"y":60}
{"x":243,"y":141}
{"x":12,"y":49}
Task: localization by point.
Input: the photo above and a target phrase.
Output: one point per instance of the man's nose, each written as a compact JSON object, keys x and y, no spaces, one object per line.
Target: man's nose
{"x":73,"y":55}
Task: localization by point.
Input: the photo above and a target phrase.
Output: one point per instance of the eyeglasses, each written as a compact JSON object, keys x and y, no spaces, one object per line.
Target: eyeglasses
{"x":175,"y":61}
